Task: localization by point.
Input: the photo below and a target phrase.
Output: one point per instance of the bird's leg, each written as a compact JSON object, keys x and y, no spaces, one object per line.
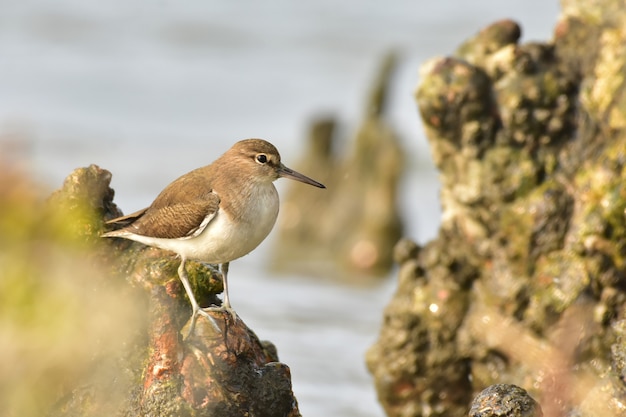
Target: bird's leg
{"x":182,"y":274}
{"x":226,"y":301}
{"x":224,"y":271}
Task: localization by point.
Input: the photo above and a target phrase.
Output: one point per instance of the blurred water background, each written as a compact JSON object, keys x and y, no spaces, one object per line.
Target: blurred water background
{"x":150,"y":90}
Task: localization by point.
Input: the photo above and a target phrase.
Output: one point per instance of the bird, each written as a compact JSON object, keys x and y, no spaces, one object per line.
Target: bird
{"x":214,"y":214}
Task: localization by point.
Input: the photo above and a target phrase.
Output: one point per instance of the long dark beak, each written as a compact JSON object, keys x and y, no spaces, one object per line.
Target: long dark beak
{"x":285,"y":172}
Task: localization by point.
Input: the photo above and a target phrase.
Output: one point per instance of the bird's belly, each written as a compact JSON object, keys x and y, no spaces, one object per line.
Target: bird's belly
{"x":224,"y":240}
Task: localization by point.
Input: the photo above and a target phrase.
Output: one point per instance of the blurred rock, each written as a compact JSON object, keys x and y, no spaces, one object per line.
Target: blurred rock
{"x":64,"y":320}
{"x":525,"y":283}
{"x":351,"y":228}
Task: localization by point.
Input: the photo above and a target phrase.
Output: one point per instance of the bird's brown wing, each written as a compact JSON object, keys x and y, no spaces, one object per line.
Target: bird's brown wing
{"x":176,"y":220}
{"x":182,"y":210}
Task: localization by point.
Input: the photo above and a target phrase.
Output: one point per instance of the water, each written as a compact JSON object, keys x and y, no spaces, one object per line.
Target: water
{"x":150,"y":90}
{"x":322,"y":330}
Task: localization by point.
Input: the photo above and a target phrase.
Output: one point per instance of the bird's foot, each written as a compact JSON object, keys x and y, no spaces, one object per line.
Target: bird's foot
{"x":194,"y":318}
{"x":202,"y":312}
{"x":227,"y":309}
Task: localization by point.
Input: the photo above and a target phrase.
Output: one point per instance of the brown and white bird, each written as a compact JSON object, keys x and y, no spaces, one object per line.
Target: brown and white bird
{"x":214,"y":214}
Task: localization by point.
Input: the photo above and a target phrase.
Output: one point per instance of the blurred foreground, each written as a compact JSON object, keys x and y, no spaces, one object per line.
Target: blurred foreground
{"x":61,"y":315}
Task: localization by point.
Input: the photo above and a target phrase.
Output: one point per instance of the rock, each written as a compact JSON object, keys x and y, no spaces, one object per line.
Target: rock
{"x":504,"y":400}
{"x":525,"y":282}
{"x":352,"y":226}
{"x":65,"y":321}
{"x":225,"y":374}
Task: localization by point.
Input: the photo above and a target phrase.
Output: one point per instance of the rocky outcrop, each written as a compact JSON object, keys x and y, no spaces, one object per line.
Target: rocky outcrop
{"x":525,"y":283}
{"x":156,"y":371}
{"x":351,"y":229}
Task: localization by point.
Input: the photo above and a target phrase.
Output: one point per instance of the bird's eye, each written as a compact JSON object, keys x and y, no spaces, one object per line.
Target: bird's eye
{"x":261,"y":158}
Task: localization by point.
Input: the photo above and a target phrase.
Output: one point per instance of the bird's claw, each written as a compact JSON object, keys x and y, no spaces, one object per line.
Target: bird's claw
{"x":194,"y":318}
{"x":226,"y":309}
{"x":205,"y":313}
